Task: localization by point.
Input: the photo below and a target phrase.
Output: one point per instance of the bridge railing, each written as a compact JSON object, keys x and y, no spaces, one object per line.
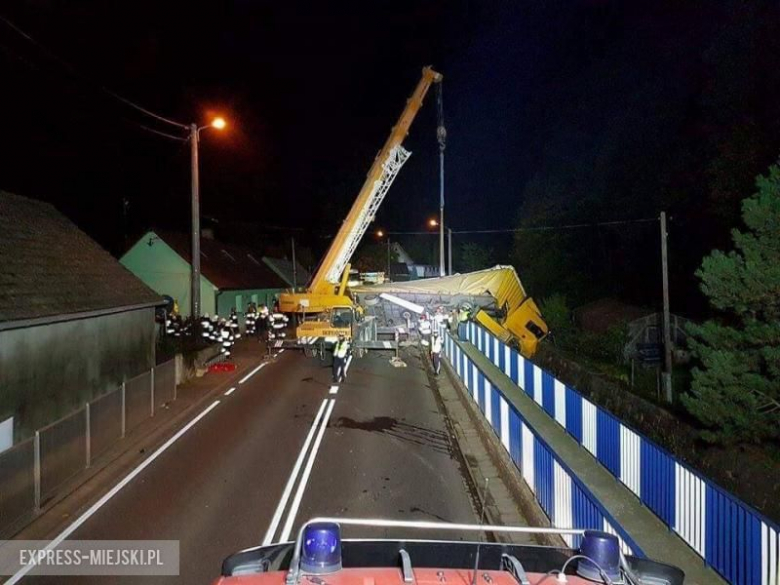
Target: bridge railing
{"x":34,"y":471}
{"x":564,"y":498}
{"x":737,"y":541}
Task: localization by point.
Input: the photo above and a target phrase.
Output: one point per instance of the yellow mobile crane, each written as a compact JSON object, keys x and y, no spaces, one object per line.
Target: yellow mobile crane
{"x":324,"y":310}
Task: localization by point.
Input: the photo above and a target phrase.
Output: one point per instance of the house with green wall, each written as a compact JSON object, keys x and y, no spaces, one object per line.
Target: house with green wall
{"x":231,"y":276}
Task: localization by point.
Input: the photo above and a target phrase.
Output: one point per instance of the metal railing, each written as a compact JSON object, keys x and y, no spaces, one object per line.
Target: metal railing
{"x":34,"y":471}
{"x":737,"y":541}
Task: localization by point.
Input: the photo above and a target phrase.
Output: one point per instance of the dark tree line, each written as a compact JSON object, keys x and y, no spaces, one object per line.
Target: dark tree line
{"x":662,"y":117}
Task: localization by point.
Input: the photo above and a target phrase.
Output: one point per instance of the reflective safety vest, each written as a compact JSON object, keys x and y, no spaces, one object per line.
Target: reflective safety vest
{"x":436,"y":344}
{"x":340,"y":349}
{"x":425,"y":327}
{"x":463,"y":316}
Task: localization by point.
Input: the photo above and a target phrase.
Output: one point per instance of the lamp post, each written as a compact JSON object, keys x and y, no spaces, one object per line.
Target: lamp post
{"x":219,"y":124}
{"x":441,"y":137}
{"x":449,"y":251}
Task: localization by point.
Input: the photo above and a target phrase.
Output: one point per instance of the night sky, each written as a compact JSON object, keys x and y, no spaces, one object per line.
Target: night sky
{"x":557,"y":111}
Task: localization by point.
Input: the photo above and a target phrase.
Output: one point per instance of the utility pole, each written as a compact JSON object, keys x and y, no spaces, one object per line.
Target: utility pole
{"x":449,"y":251}
{"x":195,"y":264}
{"x":667,"y":374}
{"x":388,"y":257}
{"x":441,"y":136}
{"x":294,"y":266}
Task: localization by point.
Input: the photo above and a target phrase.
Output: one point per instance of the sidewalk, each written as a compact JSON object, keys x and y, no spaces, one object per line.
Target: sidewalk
{"x":650,"y":534}
{"x":508,"y":501}
{"x":89,"y":485}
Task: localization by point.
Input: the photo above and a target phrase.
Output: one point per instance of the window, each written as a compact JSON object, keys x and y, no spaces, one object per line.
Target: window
{"x":342,"y":317}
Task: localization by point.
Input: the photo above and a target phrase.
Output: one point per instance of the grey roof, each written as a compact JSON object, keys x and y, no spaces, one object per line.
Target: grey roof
{"x":50,"y":268}
{"x":284,"y":268}
{"x":226,"y":266}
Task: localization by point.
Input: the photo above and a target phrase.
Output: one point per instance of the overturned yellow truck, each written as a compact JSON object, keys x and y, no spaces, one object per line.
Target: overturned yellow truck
{"x":495,"y":296}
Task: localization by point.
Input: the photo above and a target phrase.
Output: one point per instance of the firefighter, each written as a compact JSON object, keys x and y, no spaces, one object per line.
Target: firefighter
{"x":251,"y":319}
{"x":262,"y":324}
{"x":214,"y":334}
{"x":436,"y":345}
{"x":226,"y":337}
{"x":439,"y":318}
{"x":340,"y":351}
{"x":233,"y":323}
{"x":424,"y":328}
{"x":463,"y":317}
{"x":205,"y":327}
{"x":169,"y":329}
{"x":278,"y":322}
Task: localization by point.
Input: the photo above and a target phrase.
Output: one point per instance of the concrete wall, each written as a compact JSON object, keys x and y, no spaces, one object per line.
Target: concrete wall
{"x":50,"y":370}
{"x":167,"y":273}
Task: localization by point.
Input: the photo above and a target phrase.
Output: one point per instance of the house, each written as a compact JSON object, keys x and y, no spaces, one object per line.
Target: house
{"x":643,"y":327}
{"x":294,"y":277}
{"x":231,"y":276}
{"x":74,"y":323}
{"x":414,"y":271}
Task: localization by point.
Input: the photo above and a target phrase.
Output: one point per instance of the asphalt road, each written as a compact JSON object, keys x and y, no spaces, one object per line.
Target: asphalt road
{"x":385,"y":452}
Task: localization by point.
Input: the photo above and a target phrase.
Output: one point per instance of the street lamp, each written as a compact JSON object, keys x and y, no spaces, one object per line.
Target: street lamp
{"x":219,"y":124}
{"x":433,"y":223}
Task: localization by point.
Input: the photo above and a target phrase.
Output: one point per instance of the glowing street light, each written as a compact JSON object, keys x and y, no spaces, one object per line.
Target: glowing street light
{"x":380,"y":234}
{"x":433,"y":223}
{"x":218,"y":123}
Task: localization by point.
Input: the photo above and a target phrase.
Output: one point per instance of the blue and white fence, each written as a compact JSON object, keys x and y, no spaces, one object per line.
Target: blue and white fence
{"x":563,"y":497}
{"x":738,"y":542}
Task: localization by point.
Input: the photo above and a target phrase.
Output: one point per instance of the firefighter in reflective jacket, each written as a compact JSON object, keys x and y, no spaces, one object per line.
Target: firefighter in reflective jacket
{"x":233,"y":323}
{"x":424,"y":329}
{"x":250,"y":319}
{"x":436,"y":344}
{"x":205,"y":327}
{"x":340,"y":352}
{"x":226,"y":337}
{"x":262,"y":326}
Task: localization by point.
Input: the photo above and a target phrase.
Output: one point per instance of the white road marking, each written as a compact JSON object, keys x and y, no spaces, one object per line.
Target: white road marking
{"x":229,"y":392}
{"x":306,"y":472}
{"x":346,"y":367}
{"x":114,"y":491}
{"x":269,"y":535}
{"x":334,"y":389}
{"x":252,"y":373}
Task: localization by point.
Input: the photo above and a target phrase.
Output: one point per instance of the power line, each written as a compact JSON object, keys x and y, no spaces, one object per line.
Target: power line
{"x":529,"y":228}
{"x":171,"y":136}
{"x":80,"y":75}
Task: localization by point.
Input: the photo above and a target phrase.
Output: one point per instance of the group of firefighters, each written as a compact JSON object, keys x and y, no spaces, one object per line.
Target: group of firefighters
{"x":269,"y":325}
{"x":221,"y":331}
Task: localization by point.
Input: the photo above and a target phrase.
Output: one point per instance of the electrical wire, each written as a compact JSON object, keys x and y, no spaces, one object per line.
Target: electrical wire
{"x":83,"y":77}
{"x":153,"y":131}
{"x":531,"y":228}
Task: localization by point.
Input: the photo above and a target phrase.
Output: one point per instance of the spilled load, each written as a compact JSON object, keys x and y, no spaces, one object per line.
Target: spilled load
{"x":495,"y":296}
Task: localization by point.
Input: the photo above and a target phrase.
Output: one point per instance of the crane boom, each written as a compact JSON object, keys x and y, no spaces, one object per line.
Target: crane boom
{"x":379,"y":179}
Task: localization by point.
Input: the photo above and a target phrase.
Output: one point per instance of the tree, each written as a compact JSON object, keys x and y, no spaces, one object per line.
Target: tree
{"x":372,"y":257}
{"x":735,"y":392}
{"x":475,"y":257}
